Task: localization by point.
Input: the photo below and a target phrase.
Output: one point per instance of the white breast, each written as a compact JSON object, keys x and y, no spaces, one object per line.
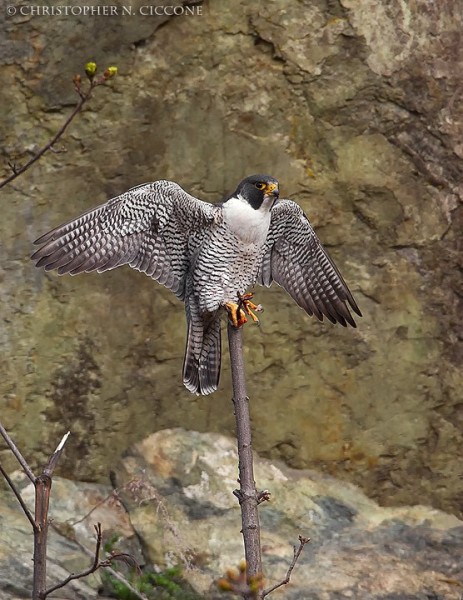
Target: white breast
{"x":247,"y":223}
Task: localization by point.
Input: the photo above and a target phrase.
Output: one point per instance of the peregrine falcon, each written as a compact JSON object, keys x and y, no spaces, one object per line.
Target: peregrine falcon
{"x":208,"y":255}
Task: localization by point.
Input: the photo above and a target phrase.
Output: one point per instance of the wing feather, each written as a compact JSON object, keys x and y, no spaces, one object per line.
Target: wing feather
{"x":147,"y":228}
{"x":295,"y":259}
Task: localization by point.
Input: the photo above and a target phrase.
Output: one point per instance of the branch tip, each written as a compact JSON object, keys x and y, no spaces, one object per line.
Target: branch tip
{"x":263,"y":496}
{"x":297,"y":552}
{"x":84,"y":96}
{"x":60,"y":446}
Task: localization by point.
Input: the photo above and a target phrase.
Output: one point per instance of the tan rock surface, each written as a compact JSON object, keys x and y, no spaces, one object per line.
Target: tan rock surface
{"x":185,"y":512}
{"x":177,"y":489}
{"x":355,"y":107}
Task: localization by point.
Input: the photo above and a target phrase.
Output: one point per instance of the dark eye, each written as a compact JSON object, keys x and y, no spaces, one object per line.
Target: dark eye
{"x":260,"y":185}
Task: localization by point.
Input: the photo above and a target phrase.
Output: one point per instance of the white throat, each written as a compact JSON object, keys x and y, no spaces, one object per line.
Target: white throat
{"x":247,"y":223}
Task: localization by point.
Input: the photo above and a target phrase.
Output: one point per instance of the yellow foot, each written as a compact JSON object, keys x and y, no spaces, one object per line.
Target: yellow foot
{"x":237,"y":315}
{"x":238,"y":311}
{"x":244,"y":301}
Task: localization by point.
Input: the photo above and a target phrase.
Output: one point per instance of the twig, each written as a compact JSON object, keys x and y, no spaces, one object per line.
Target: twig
{"x":19,"y":497}
{"x":106,"y":564}
{"x":83,"y":98}
{"x":54,"y":458}
{"x":93,"y":567}
{"x":39,"y":522}
{"x":297,"y":552}
{"x":114,"y":573}
{"x":19,"y":170}
{"x":17,"y":453}
{"x":263,"y":496}
{"x":113,"y":494}
{"x":247,"y":494}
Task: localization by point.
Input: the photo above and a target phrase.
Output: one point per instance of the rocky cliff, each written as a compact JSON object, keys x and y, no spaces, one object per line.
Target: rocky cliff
{"x":173,"y":507}
{"x":356,"y":108}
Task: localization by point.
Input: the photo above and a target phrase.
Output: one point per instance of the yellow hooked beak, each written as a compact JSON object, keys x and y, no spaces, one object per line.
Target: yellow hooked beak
{"x":271,"y":189}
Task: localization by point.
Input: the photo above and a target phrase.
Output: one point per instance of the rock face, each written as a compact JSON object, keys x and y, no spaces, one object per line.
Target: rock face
{"x":355,"y":107}
{"x":176,"y":487}
{"x":185,"y":509}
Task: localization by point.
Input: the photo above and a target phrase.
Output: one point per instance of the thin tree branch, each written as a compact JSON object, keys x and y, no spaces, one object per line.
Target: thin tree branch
{"x":106,"y":565}
{"x":83,"y":98}
{"x":54,"y":458}
{"x":297,"y":552}
{"x":18,"y":171}
{"x":19,"y":497}
{"x":247,"y":494}
{"x":93,"y":567}
{"x":112,"y":495}
{"x":17,"y":453}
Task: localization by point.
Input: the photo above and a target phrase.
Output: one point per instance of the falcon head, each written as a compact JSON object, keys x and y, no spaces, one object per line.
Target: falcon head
{"x":257,"y":188}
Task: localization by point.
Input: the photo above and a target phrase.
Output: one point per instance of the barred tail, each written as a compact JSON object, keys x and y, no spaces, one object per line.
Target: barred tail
{"x":201,"y":367}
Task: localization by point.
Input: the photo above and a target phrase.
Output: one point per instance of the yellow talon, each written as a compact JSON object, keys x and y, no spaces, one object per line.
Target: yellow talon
{"x":237,"y":316}
{"x":238,"y":311}
{"x":245,"y":302}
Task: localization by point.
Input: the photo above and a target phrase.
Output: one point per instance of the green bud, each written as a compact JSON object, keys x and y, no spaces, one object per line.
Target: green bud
{"x":110,"y":72}
{"x":90,"y":70}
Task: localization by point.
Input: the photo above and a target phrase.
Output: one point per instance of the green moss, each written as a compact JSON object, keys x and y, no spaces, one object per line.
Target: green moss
{"x":166,"y":585}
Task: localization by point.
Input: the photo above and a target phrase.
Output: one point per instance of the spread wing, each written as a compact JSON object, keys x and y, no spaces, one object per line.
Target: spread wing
{"x":147,"y":228}
{"x":297,"y":261}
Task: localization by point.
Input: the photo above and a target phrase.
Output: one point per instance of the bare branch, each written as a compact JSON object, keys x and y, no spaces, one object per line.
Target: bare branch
{"x":113,"y":494}
{"x":43,"y":485}
{"x":247,"y":494}
{"x":123,"y":557}
{"x":297,"y":552}
{"x":93,"y":567}
{"x":19,"y":497}
{"x":105,"y":564}
{"x":42,"y":502}
{"x":83,"y":98}
{"x":54,"y":458}
{"x":27,"y":470}
{"x":19,"y":170}
{"x":64,"y":439}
